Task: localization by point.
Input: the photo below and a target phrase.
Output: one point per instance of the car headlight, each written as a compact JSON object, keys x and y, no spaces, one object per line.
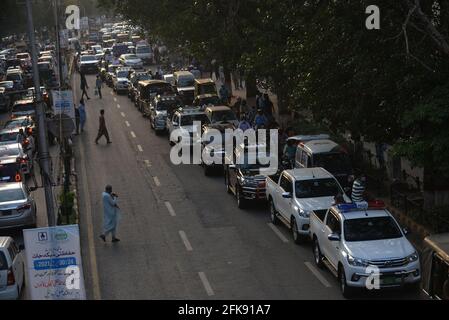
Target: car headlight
{"x":246,"y":181}
{"x":357,"y":262}
{"x":413,"y":257}
{"x":303,"y":213}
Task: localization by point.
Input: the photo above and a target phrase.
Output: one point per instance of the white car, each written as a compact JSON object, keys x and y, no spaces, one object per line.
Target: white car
{"x":97,"y":49}
{"x":131,"y":60}
{"x":120,"y":81}
{"x":299,"y":192}
{"x":183,"y":120}
{"x":364,"y":247}
{"x":12,"y":270}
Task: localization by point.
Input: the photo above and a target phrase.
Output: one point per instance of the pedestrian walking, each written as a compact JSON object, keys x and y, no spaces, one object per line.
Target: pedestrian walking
{"x":84,"y":86}
{"x":102,"y":130}
{"x":99,"y":86}
{"x":260,"y":121}
{"x":358,"y":188}
{"x":244,"y":124}
{"x":82,"y":113}
{"x":111,"y":214}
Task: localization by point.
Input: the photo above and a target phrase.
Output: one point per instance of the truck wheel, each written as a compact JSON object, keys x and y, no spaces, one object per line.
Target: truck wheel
{"x":273,"y":214}
{"x":296,"y":236}
{"x":345,"y":289}
{"x":317,"y":254}
{"x":241,"y":203}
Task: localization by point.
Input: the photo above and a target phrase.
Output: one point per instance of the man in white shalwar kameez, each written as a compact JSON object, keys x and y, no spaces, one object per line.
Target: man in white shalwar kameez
{"x":111,"y":214}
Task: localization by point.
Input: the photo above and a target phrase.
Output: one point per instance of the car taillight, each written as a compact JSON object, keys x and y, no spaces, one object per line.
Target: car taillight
{"x":18,"y":177}
{"x":11,"y":279}
{"x":24,"y":207}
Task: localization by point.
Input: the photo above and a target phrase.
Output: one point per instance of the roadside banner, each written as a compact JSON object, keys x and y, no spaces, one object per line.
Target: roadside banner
{"x":54,"y":267}
{"x":63,"y":103}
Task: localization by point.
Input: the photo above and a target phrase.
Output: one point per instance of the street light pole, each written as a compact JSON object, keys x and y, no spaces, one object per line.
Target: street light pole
{"x":43,"y":152}
{"x":58,"y":43}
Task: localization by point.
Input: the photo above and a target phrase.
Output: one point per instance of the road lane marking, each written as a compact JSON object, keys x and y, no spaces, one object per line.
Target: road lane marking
{"x":127,"y":124}
{"x":206,"y":284}
{"x":133,"y":134}
{"x":156,"y":181}
{"x":118,"y":106}
{"x":186,"y":241}
{"x":278,"y":232}
{"x":170,"y":209}
{"x":317,"y":274}
{"x":112,"y":93}
{"x":139,"y":147}
{"x":147,"y":163}
{"x":123,"y":114}
{"x":115,"y":99}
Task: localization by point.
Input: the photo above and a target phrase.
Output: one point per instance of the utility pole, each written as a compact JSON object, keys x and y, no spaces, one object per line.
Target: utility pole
{"x":43,"y":152}
{"x":58,"y":43}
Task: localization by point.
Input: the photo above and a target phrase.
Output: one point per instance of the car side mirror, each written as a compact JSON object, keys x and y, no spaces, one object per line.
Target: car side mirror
{"x":333,"y":237}
{"x":286,"y":195}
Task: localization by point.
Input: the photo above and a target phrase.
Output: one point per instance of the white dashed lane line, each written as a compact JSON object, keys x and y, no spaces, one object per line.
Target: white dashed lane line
{"x":139,"y":147}
{"x":170,"y":209}
{"x":118,"y":106}
{"x":127,"y":124}
{"x":123,"y":114}
{"x":133,"y":134}
{"x":186,"y":241}
{"x":278,"y":233}
{"x":206,"y":284}
{"x":115,"y":99}
{"x":317,"y":274}
{"x":147,"y":163}
{"x":156,"y":181}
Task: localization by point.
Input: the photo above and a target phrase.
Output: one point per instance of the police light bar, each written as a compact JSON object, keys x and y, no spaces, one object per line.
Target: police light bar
{"x":356,"y":206}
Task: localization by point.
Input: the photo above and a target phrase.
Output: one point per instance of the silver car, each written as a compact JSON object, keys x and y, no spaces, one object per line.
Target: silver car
{"x":17,"y":207}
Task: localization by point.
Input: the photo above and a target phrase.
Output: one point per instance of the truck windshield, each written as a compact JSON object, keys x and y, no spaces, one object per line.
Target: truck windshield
{"x":223,"y":116}
{"x":370,"y":229}
{"x":333,"y":162}
{"x":316,"y":188}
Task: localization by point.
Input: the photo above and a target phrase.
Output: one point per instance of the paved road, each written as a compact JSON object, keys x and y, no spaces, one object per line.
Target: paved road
{"x":183,"y":236}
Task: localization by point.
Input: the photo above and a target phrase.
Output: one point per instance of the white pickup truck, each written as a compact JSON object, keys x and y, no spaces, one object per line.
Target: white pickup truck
{"x":296,"y":193}
{"x":364,"y":247}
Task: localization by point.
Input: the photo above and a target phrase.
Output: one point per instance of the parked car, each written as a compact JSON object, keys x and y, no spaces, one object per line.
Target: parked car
{"x":148,"y":90}
{"x":134,"y":81}
{"x":12,"y":270}
{"x":328,"y":155}
{"x":222,"y":114}
{"x":295,"y":194}
{"x":183,"y":120}
{"x":17,"y":206}
{"x":161,"y":107}
{"x":120,"y":81}
{"x":185,"y":86}
{"x":435,"y":267}
{"x":214,"y":149}
{"x":353,"y":240}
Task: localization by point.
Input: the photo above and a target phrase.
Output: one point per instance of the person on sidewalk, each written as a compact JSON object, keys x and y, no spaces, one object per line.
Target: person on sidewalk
{"x":77,"y":120}
{"x":244,"y":124}
{"x":111,"y":214}
{"x":102,"y":130}
{"x":225,"y":96}
{"x":261,"y":121}
{"x":84,"y":86}
{"x":99,"y":86}
{"x":358,"y":188}
{"x":82,"y":114}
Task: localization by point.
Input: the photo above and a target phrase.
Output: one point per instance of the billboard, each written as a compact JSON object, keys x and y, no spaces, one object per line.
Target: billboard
{"x":54,"y":267}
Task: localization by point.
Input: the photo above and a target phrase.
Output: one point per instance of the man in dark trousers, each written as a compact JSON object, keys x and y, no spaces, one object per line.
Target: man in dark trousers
{"x":102,"y":131}
{"x":84,"y":86}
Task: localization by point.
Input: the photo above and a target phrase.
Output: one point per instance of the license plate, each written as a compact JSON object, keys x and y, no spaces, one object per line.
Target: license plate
{"x":390,"y":280}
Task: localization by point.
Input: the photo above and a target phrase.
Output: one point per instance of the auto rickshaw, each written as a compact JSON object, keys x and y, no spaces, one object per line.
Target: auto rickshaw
{"x":435,"y":267}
